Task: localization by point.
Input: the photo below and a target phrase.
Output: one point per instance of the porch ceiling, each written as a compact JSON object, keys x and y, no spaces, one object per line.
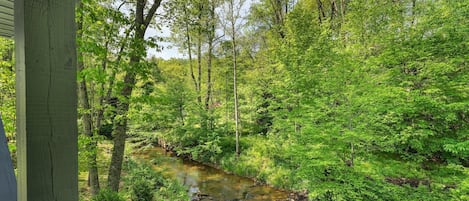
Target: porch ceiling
{"x":6,"y":18}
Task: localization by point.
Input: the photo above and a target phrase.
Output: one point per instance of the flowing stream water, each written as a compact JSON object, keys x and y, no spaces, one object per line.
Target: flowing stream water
{"x":210,"y":182}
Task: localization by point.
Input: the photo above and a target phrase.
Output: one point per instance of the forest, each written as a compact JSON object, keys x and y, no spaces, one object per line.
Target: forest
{"x":319,"y":99}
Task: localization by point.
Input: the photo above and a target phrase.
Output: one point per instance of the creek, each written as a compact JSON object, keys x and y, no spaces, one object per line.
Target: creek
{"x":208,"y":183}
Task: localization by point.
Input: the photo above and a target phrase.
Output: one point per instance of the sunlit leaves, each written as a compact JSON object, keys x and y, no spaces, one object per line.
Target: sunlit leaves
{"x":7,"y":88}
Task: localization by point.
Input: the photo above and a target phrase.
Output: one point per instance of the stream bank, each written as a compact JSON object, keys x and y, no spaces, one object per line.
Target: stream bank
{"x":209,"y":183}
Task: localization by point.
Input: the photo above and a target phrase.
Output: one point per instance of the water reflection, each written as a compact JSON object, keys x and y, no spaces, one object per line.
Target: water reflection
{"x":210,"y":182}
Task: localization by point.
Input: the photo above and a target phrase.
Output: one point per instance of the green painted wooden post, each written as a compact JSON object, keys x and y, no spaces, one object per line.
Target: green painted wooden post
{"x":46,"y":100}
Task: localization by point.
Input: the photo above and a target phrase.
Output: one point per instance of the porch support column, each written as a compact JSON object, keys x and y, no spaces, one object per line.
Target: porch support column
{"x":46,"y":100}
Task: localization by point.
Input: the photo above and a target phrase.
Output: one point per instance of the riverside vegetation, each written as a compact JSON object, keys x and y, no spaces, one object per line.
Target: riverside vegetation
{"x":340,"y":99}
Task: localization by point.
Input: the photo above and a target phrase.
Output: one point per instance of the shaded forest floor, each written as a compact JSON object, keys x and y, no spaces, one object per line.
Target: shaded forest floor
{"x":137,"y":175}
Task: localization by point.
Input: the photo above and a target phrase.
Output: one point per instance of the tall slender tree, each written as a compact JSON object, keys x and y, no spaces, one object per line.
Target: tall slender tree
{"x":211,"y":29}
{"x":233,"y":22}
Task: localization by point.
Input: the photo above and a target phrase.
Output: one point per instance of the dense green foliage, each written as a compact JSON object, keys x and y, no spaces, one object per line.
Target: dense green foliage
{"x":350,"y":100}
{"x":7,"y":87}
{"x":143,"y":181}
{"x":359,"y":100}
{"x":146,"y":184}
{"x":108,"y":195}
{"x":7,"y":94}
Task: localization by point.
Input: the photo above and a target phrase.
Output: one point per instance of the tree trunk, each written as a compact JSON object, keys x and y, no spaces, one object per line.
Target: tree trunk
{"x":333,"y":9}
{"x":211,"y":37}
{"x":181,"y":114}
{"x":119,"y":132}
{"x":120,"y":125}
{"x":199,"y":65}
{"x":100,"y":112}
{"x":209,"y":75}
{"x":93,"y":177}
{"x":321,"y":13}
{"x":279,"y":15}
{"x":235,"y":88}
{"x":343,"y":8}
{"x":93,"y":181}
{"x":199,"y":52}
{"x":189,"y":49}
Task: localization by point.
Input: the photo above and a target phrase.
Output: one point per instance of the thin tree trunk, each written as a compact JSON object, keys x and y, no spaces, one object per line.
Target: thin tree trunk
{"x":199,"y":52}
{"x":209,"y":76}
{"x":235,"y":88}
{"x":321,"y":13}
{"x":209,"y":59}
{"x":227,"y":97}
{"x":333,"y":9}
{"x":279,"y":15}
{"x":88,"y":129}
{"x":189,"y":50}
{"x":93,"y":178}
{"x":181,"y":113}
{"x":100,"y":112}
{"x":286,"y":7}
{"x":199,"y":65}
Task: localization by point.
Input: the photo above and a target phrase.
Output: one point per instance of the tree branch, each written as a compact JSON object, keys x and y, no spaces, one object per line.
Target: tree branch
{"x":151,"y":12}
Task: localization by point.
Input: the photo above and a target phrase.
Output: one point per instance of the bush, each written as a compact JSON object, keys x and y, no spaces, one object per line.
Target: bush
{"x":172,"y":190}
{"x":142,"y":181}
{"x":142,"y":190}
{"x":107,"y":195}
